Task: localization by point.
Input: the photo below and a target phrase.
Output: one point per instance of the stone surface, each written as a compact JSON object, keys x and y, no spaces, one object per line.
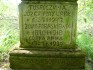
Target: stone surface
{"x":47,"y":36}
{"x":47,"y":60}
{"x":46,"y":24}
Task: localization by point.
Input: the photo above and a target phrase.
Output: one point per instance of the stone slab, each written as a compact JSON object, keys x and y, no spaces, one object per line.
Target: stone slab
{"x":48,"y":24}
{"x":47,"y":60}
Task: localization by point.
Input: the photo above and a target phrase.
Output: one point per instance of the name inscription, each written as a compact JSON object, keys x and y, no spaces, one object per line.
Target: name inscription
{"x":47,"y":24}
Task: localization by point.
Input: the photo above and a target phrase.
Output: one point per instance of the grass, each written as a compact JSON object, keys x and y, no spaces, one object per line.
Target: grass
{"x":85,"y":42}
{"x":9,"y":34}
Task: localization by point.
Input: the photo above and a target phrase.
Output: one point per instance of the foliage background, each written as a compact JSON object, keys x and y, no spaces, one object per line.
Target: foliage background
{"x":9,"y":27}
{"x":85,"y":26}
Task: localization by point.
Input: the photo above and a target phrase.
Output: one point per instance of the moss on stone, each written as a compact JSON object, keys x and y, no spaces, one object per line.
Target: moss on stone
{"x":45,"y":60}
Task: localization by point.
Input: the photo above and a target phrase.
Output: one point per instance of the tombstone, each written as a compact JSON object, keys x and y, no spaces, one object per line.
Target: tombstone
{"x":48,"y":36}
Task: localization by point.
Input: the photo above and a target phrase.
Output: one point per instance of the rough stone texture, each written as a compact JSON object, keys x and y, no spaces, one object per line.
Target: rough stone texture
{"x":48,"y":24}
{"x":47,"y":60}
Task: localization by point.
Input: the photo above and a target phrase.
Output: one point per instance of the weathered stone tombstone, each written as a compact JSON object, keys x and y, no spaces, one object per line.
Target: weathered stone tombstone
{"x":48,"y":36}
{"x":48,"y":24}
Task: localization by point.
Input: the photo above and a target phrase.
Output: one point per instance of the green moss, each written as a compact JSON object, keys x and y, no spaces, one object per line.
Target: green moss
{"x":45,"y":60}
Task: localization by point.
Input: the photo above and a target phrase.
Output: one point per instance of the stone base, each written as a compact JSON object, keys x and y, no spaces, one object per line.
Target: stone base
{"x":34,"y":59}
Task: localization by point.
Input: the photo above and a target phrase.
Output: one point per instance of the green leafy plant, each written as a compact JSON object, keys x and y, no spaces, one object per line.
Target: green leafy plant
{"x":85,"y":42}
{"x":7,"y":40}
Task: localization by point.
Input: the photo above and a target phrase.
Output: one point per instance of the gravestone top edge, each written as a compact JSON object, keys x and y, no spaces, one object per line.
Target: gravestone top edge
{"x":53,"y":0}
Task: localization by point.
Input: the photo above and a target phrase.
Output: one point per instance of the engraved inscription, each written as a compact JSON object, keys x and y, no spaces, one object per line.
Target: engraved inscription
{"x":49,"y":25}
